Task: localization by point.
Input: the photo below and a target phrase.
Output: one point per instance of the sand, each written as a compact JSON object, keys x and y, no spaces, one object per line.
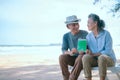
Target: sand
{"x":34,"y":67}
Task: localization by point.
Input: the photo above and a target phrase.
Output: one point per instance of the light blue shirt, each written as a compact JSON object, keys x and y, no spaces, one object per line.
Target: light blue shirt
{"x":101,"y":44}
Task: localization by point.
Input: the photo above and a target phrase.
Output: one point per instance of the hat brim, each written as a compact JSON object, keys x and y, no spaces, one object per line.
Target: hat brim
{"x":76,"y":21}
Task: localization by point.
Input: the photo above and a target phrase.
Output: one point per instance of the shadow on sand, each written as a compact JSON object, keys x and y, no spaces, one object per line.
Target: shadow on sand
{"x":36,"y":72}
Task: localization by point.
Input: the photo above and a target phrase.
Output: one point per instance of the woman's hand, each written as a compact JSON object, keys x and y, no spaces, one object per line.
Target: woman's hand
{"x":88,"y":52}
{"x":97,"y":54}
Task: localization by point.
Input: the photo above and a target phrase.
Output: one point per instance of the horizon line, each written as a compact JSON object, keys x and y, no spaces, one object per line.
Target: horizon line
{"x":29,"y":45}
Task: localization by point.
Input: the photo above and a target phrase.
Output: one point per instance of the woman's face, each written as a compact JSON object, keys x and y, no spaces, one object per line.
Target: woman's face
{"x":91,"y":24}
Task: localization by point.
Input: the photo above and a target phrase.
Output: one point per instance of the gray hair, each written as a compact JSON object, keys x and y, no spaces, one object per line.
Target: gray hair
{"x":100,"y":23}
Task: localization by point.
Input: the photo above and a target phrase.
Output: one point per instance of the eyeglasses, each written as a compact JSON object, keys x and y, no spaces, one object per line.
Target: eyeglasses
{"x":73,"y":24}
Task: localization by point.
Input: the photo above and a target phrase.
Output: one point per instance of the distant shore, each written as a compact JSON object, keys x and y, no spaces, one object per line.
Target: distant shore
{"x":21,"y":45}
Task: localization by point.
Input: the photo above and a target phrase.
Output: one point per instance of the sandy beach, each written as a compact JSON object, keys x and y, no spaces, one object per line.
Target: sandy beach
{"x":31,"y":67}
{"x":35,"y":67}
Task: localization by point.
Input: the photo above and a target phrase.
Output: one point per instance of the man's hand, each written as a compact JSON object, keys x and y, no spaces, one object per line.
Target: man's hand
{"x":67,"y":52}
{"x":74,"y":50}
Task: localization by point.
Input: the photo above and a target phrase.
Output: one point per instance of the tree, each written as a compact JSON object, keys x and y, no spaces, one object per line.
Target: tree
{"x":113,"y":4}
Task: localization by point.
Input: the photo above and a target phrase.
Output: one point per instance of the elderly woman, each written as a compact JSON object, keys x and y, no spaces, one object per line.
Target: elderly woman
{"x":100,"y":51}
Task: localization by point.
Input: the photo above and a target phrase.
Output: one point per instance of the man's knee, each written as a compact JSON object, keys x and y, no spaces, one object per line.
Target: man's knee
{"x":62,"y":57}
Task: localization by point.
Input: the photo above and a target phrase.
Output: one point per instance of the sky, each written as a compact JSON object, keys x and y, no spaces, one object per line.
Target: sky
{"x":36,"y":22}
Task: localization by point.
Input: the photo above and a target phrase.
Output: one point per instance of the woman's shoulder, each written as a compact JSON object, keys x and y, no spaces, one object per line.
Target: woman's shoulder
{"x":90,"y":33}
{"x":106,"y":32}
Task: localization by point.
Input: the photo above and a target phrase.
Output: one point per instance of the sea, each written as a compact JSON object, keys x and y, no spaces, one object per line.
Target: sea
{"x":50,"y":52}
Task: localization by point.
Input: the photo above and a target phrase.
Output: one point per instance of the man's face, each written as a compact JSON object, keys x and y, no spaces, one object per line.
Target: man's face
{"x":73,"y":27}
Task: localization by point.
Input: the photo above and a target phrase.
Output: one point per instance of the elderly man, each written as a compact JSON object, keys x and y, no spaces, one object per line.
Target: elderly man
{"x":70,"y":54}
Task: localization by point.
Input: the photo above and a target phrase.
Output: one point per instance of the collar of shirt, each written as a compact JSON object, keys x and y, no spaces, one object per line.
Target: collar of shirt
{"x":100,"y":34}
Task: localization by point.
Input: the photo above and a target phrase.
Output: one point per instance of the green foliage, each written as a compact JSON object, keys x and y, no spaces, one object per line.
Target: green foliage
{"x":115,"y":8}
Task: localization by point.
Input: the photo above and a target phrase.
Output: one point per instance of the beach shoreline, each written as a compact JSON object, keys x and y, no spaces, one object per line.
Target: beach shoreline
{"x":29,"y":64}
